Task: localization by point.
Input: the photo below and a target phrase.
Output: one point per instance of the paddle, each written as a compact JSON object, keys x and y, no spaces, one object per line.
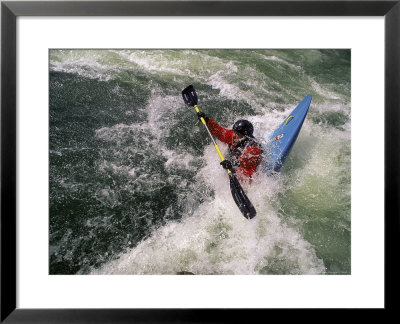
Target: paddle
{"x":246,"y":207}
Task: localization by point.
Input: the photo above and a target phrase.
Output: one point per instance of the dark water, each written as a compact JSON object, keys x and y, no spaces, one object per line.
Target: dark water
{"x":136,"y":186}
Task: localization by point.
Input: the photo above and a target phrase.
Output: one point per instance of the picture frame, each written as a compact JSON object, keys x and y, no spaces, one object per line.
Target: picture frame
{"x":10,"y":10}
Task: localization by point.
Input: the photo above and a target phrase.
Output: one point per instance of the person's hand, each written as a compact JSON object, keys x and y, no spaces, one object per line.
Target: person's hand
{"x":201,"y":114}
{"x":226,"y":164}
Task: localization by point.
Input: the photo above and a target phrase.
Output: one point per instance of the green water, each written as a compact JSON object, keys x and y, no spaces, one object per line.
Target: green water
{"x":135,"y":183}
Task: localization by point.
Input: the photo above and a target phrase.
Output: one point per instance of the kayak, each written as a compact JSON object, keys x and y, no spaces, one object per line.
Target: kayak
{"x":280,"y":142}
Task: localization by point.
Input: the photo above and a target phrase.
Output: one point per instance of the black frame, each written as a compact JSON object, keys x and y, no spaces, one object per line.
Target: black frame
{"x":10,"y":10}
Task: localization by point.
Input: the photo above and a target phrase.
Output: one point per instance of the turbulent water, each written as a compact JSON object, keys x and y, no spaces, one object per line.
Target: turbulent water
{"x":135,"y":183}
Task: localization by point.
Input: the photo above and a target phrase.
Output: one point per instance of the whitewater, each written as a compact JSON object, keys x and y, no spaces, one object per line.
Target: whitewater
{"x":135,"y":182}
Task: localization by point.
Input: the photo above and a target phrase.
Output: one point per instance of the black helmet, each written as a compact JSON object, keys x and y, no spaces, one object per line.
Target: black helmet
{"x":244,"y":127}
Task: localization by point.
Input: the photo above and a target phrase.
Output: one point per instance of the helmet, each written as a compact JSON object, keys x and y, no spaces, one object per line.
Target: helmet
{"x":244,"y":127}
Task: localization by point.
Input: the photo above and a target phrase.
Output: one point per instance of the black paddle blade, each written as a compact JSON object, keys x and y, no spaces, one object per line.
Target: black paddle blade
{"x":189,"y":96}
{"x":240,"y":198}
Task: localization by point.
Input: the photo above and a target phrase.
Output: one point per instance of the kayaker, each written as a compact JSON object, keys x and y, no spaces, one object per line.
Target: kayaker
{"x":245,"y":152}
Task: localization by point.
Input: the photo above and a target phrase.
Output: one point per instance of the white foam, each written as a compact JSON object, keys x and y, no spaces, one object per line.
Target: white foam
{"x":217,"y":239}
{"x":86,"y":63}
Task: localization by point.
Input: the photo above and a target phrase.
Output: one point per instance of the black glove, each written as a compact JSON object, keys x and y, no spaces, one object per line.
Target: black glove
{"x":226,"y":164}
{"x":201,"y":114}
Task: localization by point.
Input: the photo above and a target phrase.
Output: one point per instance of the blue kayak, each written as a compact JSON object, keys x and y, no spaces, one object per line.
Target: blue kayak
{"x":279,"y":144}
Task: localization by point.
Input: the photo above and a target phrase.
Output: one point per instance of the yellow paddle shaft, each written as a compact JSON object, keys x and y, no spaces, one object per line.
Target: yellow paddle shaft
{"x":212,"y":138}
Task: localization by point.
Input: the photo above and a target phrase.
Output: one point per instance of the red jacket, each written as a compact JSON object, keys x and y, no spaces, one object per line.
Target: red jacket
{"x":248,"y":156}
